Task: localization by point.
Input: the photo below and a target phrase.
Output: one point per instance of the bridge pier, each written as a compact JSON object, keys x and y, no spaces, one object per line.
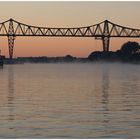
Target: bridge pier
{"x":11,"y":38}
{"x":11,"y":45}
{"x":105,"y":41}
{"x":106,"y":36}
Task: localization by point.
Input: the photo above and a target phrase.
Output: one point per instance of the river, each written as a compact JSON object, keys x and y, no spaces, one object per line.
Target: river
{"x":70,"y":100}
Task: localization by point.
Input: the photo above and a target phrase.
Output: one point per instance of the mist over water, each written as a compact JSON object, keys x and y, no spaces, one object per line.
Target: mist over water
{"x":70,"y":100}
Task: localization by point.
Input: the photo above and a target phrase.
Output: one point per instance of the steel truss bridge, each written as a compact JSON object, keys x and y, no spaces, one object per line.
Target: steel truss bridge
{"x":104,"y":31}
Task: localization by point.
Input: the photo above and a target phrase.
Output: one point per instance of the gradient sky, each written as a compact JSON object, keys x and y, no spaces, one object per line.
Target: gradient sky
{"x":66,"y":14}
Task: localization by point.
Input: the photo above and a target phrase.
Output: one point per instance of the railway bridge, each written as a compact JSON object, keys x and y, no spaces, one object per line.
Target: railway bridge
{"x":104,"y":31}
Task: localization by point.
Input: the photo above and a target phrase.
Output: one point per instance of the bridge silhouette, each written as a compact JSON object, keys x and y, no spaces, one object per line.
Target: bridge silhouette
{"x":103,"y":31}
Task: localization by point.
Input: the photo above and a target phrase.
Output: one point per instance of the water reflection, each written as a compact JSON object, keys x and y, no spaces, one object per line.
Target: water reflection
{"x":1,"y":67}
{"x":70,"y":109}
{"x":105,"y":96}
{"x":11,"y":92}
{"x":105,"y":88}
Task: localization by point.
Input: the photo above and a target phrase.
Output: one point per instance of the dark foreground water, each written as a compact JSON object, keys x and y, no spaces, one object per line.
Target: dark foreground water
{"x":70,"y":101}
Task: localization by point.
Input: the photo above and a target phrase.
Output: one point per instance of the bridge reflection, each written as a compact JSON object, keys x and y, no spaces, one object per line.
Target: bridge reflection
{"x":105,"y":97}
{"x":105,"y":87}
{"x":11,"y":97}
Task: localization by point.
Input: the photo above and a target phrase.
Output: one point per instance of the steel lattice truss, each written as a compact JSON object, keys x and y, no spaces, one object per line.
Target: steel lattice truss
{"x":104,"y":31}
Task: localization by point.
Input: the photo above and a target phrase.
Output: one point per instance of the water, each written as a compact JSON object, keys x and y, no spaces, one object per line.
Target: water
{"x":70,"y":101}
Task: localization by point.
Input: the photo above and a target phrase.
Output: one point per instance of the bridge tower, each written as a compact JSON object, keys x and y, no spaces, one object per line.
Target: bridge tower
{"x":11,"y":38}
{"x":106,"y":36}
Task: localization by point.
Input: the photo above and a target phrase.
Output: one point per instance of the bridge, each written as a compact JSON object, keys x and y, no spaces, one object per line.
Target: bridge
{"x":103,"y":31}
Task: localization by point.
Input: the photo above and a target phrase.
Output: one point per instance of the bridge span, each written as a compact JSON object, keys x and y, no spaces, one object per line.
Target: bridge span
{"x":103,"y":30}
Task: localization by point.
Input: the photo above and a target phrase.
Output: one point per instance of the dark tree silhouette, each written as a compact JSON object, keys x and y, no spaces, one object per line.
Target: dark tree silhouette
{"x":130,"y":48}
{"x":129,"y":52}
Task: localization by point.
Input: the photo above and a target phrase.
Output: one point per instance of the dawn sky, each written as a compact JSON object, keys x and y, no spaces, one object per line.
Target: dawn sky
{"x":66,"y":14}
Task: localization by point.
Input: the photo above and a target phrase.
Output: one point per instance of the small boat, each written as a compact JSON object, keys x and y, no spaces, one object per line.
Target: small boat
{"x":1,"y":59}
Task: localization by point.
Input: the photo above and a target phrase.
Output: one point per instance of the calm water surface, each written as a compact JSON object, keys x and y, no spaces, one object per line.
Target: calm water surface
{"x":70,"y":101}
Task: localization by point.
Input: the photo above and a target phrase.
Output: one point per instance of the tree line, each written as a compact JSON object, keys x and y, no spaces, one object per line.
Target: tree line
{"x":129,"y":51}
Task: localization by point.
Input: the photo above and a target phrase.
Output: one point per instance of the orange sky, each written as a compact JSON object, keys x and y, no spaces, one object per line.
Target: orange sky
{"x":66,"y":14}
